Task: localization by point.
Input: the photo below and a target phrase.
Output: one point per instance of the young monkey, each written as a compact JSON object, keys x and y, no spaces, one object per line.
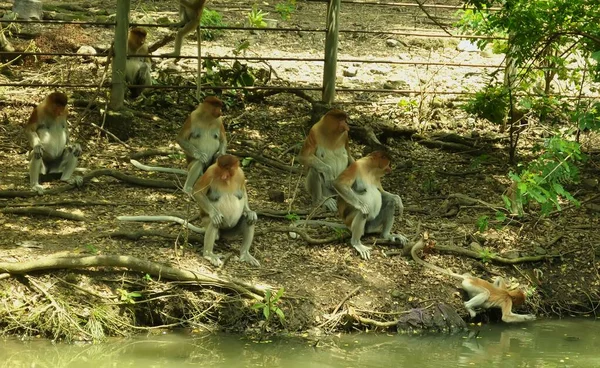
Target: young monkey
{"x":325,"y":154}
{"x":362,"y":203}
{"x":223,"y":200}
{"x":482,"y":293}
{"x":48,"y":135}
{"x":137,"y":68}
{"x":202,"y":137}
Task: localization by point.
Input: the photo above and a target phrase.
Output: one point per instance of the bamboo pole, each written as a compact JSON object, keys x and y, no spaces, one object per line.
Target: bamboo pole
{"x":117,"y":93}
{"x":331,"y":46}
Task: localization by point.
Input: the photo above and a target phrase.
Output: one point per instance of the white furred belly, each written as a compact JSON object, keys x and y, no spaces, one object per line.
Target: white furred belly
{"x":337,"y":159}
{"x":372,"y":198}
{"x":53,"y":141}
{"x":232,"y":208}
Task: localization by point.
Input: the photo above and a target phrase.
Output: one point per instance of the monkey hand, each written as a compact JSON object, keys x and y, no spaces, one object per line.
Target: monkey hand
{"x":251,"y":217}
{"x":529,"y":317}
{"x":76,"y":180}
{"x":397,"y":238}
{"x":363,"y":208}
{"x":201,"y":156}
{"x":248,"y":258}
{"x":330,"y":204}
{"x":38,"y":150}
{"x":216,"y":218}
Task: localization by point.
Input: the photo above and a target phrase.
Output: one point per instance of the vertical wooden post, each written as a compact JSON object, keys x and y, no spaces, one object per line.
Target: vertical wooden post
{"x":199,"y":75}
{"x":117,"y":92}
{"x":331,"y":46}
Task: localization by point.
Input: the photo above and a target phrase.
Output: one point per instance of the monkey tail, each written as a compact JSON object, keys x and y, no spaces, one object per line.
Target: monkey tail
{"x":420,"y":245}
{"x":141,"y":166}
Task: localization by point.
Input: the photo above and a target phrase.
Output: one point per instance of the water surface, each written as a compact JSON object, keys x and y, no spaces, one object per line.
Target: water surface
{"x":545,"y":343}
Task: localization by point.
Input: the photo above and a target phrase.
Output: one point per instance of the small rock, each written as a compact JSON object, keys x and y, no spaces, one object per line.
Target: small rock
{"x":350,"y":72}
{"x":293,"y":235}
{"x":590,"y":183}
{"x":86,"y":50}
{"x":397,"y":294}
{"x":390,"y":42}
{"x":540,"y":250}
{"x":475,"y":247}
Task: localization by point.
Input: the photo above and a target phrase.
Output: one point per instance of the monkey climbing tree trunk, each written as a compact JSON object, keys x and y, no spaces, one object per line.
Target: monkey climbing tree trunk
{"x":331,"y":46}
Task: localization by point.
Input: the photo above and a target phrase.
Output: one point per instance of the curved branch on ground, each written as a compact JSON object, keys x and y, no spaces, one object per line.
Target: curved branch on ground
{"x":134,"y":264}
{"x":178,"y":220}
{"x":43,"y":211}
{"x":150,"y":183}
{"x":137,"y":235}
{"x":268,"y":161}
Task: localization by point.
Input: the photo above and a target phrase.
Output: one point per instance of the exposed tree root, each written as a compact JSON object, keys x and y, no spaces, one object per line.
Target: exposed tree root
{"x":150,"y":183}
{"x":42,"y":211}
{"x":137,"y":235}
{"x":135,"y":264}
{"x":268,"y":161}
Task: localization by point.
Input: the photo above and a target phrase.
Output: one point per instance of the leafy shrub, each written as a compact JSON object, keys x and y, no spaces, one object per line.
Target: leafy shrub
{"x":491,"y":103}
{"x":211,"y":18}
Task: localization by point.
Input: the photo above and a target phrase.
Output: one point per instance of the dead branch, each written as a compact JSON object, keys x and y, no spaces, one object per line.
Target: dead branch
{"x":67,"y":202}
{"x":151,"y":183}
{"x":134,"y":264}
{"x":151,"y":153}
{"x":43,"y":211}
{"x":160,"y":43}
{"x":137,"y":235}
{"x":268,"y":161}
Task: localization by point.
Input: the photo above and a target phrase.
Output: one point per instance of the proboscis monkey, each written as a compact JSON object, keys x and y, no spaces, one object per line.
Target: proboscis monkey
{"x":482,"y":293}
{"x":362,"y":203}
{"x":48,"y":135}
{"x":137,"y":68}
{"x":325,"y":154}
{"x":190,"y":13}
{"x":202,"y":138}
{"x":221,"y":194}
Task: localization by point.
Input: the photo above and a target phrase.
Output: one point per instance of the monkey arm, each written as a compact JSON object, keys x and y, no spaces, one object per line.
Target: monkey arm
{"x":222,"y":143}
{"x":321,"y":167}
{"x":250,"y":215}
{"x":191,"y":150}
{"x":216,"y":217}
{"x":345,"y":191}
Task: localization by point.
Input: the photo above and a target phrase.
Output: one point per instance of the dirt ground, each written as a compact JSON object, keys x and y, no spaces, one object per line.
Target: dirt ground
{"x":316,"y":277}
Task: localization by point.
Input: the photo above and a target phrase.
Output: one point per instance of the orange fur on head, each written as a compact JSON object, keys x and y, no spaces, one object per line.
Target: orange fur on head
{"x":214,"y":104}
{"x":136,"y":39}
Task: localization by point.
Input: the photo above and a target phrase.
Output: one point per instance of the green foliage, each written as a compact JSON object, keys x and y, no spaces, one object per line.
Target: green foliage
{"x":543,"y":179}
{"x":490,"y":104}
{"x":147,"y":278}
{"x":256,"y":17}
{"x":128,"y":297}
{"x":246,"y":161}
{"x":211,"y":18}
{"x":239,"y":75}
{"x":588,"y":118}
{"x":91,"y":248}
{"x":339,"y":232}
{"x":292,"y":217}
{"x":285,"y":8}
{"x":479,"y":160}
{"x":269,"y":305}
{"x":486,"y":255}
{"x":482,"y":223}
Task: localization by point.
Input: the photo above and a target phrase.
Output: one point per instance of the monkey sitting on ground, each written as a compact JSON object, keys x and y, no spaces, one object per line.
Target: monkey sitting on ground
{"x":137,"y":68}
{"x":482,"y":293}
{"x":223,"y":200}
{"x":48,"y":134}
{"x":325,"y":154}
{"x":362,"y":203}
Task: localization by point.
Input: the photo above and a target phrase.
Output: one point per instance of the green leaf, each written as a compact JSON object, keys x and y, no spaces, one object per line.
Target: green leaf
{"x":280,"y":314}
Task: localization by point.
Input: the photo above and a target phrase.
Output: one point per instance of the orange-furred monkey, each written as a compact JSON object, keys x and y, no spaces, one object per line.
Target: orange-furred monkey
{"x":325,"y":154}
{"x":190,"y":13}
{"x":137,"y":68}
{"x":202,"y":138}
{"x":223,"y":200}
{"x":482,"y":293}
{"x":48,"y":135}
{"x":362,"y":203}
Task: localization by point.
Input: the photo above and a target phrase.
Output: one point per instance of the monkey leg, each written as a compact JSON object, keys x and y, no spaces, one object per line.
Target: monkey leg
{"x":476,"y":301}
{"x":318,"y":189}
{"x":210,"y":236}
{"x":358,"y":228}
{"x":384,"y":221}
{"x":196,"y":169}
{"x":68,"y":164}
{"x":189,"y":27}
{"x":142,"y":77}
{"x":247,"y":232}
{"x":36,"y":165}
